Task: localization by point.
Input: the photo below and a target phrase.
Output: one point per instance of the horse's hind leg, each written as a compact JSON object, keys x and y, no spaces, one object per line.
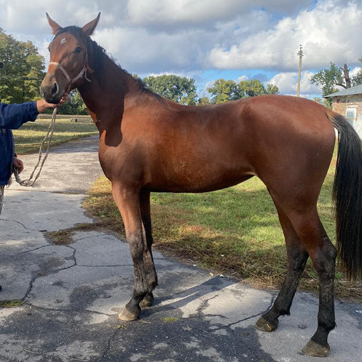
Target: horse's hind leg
{"x":323,"y":255}
{"x":297,"y":258}
{"x":151,"y":275}
{"x":308,"y":228}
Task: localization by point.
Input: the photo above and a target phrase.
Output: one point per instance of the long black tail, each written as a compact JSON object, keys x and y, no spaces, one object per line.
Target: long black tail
{"x":347,"y":194}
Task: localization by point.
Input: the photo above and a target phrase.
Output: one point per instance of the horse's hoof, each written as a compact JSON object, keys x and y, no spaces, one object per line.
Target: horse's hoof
{"x":147,"y":301}
{"x":129,"y":316}
{"x":263,"y":325}
{"x":316,"y":350}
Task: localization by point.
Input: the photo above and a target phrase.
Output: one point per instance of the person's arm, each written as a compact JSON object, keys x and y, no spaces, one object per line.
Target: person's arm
{"x":12,"y":116}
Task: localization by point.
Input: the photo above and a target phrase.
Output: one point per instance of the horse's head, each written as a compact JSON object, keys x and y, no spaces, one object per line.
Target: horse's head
{"x":68,"y":60}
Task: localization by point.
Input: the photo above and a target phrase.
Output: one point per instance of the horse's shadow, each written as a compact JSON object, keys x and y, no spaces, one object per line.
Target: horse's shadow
{"x":169,"y":300}
{"x":166,"y":331}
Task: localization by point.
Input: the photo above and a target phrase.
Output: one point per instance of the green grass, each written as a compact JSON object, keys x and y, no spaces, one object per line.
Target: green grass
{"x":234,"y":231}
{"x":30,"y":136}
{"x":11,"y":303}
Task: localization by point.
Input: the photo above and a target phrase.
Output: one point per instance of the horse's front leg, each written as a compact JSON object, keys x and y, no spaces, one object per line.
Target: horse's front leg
{"x":128,"y":202}
{"x":151,"y":276}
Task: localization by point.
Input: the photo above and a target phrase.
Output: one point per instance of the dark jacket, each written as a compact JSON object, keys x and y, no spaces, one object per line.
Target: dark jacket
{"x":12,"y":116}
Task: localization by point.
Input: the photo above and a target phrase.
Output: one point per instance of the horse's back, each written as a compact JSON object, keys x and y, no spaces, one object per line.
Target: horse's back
{"x":196,"y":149}
{"x":221,"y":145}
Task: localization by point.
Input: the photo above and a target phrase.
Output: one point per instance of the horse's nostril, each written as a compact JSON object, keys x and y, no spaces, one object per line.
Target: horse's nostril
{"x":55,"y":89}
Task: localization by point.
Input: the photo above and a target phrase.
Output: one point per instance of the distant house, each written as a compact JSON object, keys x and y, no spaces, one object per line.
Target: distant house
{"x":348,"y":103}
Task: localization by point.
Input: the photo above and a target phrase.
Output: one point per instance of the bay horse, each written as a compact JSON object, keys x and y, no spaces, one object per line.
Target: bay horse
{"x":148,"y":143}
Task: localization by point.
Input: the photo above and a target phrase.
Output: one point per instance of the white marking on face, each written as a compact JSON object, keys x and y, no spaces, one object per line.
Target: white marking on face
{"x":63,"y":41}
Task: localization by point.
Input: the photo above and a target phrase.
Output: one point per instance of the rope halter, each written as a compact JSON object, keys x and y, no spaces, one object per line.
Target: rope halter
{"x":83,"y":72}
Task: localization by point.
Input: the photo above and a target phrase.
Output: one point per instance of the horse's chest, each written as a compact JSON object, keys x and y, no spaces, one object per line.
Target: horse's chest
{"x":116,"y":159}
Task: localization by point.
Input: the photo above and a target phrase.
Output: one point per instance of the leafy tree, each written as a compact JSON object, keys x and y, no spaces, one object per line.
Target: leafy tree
{"x":204,"y":101}
{"x":250,"y":88}
{"x":323,"y":102}
{"x":75,"y":105}
{"x":329,"y":78}
{"x":272,"y":89}
{"x":23,"y":70}
{"x":357,"y":79}
{"x":178,"y":89}
{"x":254,"y":87}
{"x":223,"y":91}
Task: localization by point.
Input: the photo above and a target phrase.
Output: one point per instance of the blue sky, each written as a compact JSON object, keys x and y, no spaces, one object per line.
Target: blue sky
{"x":207,"y":39}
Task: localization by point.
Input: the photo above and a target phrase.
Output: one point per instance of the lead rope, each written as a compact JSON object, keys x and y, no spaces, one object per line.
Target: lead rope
{"x":47,"y":139}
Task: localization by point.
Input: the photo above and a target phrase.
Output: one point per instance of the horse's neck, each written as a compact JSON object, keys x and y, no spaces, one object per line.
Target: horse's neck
{"x":106,"y":94}
{"x":110,"y":93}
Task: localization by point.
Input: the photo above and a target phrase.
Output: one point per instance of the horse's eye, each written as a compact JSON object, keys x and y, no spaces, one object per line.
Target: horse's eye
{"x":78,"y":50}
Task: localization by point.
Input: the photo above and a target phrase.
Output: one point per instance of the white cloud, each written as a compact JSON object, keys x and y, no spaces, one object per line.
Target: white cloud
{"x":328,"y":32}
{"x":242,"y":78}
{"x":287,"y":83}
{"x":188,"y":36}
{"x":201,"y":11}
{"x":138,"y":50}
{"x":354,"y":71}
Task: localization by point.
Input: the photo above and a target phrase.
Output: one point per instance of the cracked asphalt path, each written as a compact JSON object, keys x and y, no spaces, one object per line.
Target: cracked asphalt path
{"x":71,"y":295}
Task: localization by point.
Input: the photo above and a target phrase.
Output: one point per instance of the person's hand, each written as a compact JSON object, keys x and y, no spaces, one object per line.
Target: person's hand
{"x":42,"y":105}
{"x":18,"y":164}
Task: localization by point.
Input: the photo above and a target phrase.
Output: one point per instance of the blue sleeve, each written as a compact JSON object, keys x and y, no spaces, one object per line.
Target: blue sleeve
{"x":12,"y":116}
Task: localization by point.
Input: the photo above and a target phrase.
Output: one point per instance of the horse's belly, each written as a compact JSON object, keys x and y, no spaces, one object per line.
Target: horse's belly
{"x":197,"y":181}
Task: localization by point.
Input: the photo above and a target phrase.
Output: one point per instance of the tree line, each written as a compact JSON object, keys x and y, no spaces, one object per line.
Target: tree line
{"x":183,"y":89}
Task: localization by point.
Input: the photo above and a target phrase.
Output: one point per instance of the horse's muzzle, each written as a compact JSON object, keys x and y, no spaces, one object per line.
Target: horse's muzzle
{"x":51,"y":93}
{"x":51,"y":90}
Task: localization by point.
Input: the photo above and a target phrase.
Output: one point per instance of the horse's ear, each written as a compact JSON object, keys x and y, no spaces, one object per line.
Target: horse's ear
{"x":89,"y":28}
{"x":56,"y":27}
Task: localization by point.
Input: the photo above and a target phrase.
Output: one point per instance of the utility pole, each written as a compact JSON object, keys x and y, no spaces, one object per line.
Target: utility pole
{"x":346,"y":76}
{"x":300,"y":53}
